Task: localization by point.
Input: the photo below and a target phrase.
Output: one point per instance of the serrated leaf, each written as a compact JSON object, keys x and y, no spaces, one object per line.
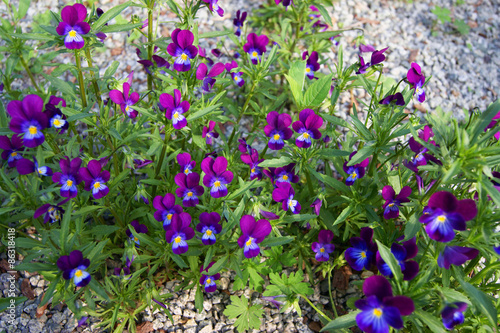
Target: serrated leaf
{"x":247,"y":317}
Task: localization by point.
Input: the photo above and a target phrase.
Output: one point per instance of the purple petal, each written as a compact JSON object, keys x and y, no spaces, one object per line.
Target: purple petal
{"x":377,"y":285}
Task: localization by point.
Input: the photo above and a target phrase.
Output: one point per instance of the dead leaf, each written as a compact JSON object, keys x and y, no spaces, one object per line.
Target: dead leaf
{"x":472,"y":24}
{"x":419,"y":107}
{"x":413,"y":55}
{"x":315,"y":326}
{"x":41,"y":310}
{"x":145,"y":327}
{"x":341,"y":278}
{"x":26,"y":289}
{"x":116,"y":51}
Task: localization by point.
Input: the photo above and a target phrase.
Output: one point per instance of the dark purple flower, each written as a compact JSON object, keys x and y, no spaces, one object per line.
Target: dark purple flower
{"x":175,"y":108}
{"x":56,"y":118}
{"x":416,"y":80}
{"x":52,"y":213}
{"x":118,"y":271}
{"x":286,"y":174}
{"x":318,"y":25}
{"x":208,"y":133}
{"x":497,"y":249}
{"x":73,"y":26}
{"x":189,"y":189}
{"x":393,"y":201}
{"x":182,"y":49}
{"x":362,"y":254}
{"x":156,"y":60}
{"x":307,"y":126}
{"x":95,"y":179}
{"x":252,"y":233}
{"x":140,"y":229}
{"x":402,"y":253}
{"x":236,"y":76}
{"x":284,"y":193}
{"x":25,"y":167}
{"x":355,"y":171}
{"x":376,"y":58}
{"x":83,"y":321}
{"x":277,"y":129}
{"x":214,"y":7}
{"x":456,"y":255}
{"x":397,"y":98}
{"x":28,"y":119}
{"x":238,"y":22}
{"x":271,"y":174}
{"x":216,"y":176}
{"x":421,"y":156}
{"x":323,"y":246}
{"x":124,"y":100}
{"x":493,"y":123}
{"x":203,"y":54}
{"x":184,"y":160}
{"x":273,"y":301}
{"x":268,"y":215}
{"x":216,"y":53}
{"x":73,"y":267}
{"x":179,"y":233}
{"x":209,"y":226}
{"x":253,"y":162}
{"x":255,"y":46}
{"x":444,"y":214}
{"x":452,"y":314}
{"x":11,"y":148}
{"x":69,"y":177}
{"x":166,"y":209}
{"x":312,"y":64}
{"x":316,"y":206}
{"x":202,"y":73}
{"x":366,"y":48}
{"x":244,"y":147}
{"x":380,"y":309}
{"x":208,"y":281}
{"x":286,"y":3}
{"x":141,"y":163}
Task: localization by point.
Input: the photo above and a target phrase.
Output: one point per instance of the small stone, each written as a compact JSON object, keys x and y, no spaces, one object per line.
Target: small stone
{"x":189,"y":313}
{"x":206,"y":329}
{"x":224,"y":283}
{"x":207,"y":305}
{"x":57,"y":317}
{"x":157,"y":324}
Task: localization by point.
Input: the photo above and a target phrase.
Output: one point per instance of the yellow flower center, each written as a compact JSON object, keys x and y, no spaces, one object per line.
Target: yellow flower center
{"x":217,"y":183}
{"x":184,"y":56}
{"x":276,"y":137}
{"x":97,"y":185}
{"x":237,"y":78}
{"x":176,"y":115}
{"x":13,"y":154}
{"x":186,"y":171}
{"x":354,"y":175}
{"x":322,"y":250}
{"x":252,"y":170}
{"x":69,"y":183}
{"x":135,"y":239}
{"x":57,"y":122}
{"x":249,"y":241}
{"x":78,"y":273}
{"x":377,"y":312}
{"x":51,"y":209}
{"x":363,"y":254}
{"x":254,"y":54}
{"x":39,"y":170}
{"x":178,"y":239}
{"x":127,"y":108}
{"x":209,"y":232}
{"x":285,"y":177}
{"x":306,"y":135}
{"x":308,"y":69}
{"x":33,"y":130}
{"x":441,"y":218}
{"x":391,"y":204}
{"x":208,"y":281}
{"x":72,"y":33}
{"x":169,"y":216}
{"x":190,"y":194}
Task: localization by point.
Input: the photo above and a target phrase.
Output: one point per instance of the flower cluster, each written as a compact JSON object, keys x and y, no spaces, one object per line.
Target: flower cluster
{"x":74,"y":267}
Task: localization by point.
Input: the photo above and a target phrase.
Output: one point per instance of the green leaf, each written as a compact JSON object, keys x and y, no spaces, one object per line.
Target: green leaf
{"x":363,"y":131}
{"x":120,"y":27}
{"x":24,"y":5}
{"x":324,"y":13}
{"x":277,"y":162}
{"x":198,"y":299}
{"x":317,"y":92}
{"x":484,"y":121}
{"x":218,"y":265}
{"x":276,"y":241}
{"x":325,"y":34}
{"x":203,"y":112}
{"x":98,"y":289}
{"x":5,"y":303}
{"x":361,"y":155}
{"x":246,"y":186}
{"x":412,"y":227}
{"x":109,"y":15}
{"x":345,"y":321}
{"x":296,"y":79}
{"x":36,"y":267}
{"x":462,"y":27}
{"x":480,"y":300}
{"x":390,"y":260}
{"x":491,"y":190}
{"x":431,"y":321}
{"x":443,"y":14}
{"x":50,"y":291}
{"x":61,"y":86}
{"x":330,"y":152}
{"x":33,"y":36}
{"x":247,"y":317}
{"x":345,"y":213}
{"x":212,"y":34}
{"x":65,"y":228}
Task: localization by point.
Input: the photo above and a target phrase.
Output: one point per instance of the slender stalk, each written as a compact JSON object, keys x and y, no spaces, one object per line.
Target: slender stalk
{"x":330,"y":292}
{"x":162,"y":157}
{"x":80,"y":78}
{"x":245,"y":106}
{"x":27,"y":68}
{"x":94,"y":81}
{"x":150,"y":43}
{"x":373,"y":97}
{"x":309,"y":183}
{"x":315,"y":308}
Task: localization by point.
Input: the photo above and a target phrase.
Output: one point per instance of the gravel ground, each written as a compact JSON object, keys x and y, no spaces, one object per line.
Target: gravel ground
{"x":465,"y":74}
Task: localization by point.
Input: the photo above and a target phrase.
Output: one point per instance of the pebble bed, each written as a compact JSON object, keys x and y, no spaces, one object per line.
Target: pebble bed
{"x":465,"y":73}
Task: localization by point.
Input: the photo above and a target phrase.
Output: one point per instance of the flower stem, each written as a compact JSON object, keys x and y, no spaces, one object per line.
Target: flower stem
{"x":245,"y":106}
{"x":94,"y":81}
{"x":373,"y":97}
{"x":80,"y":78}
{"x":315,"y":308}
{"x":330,"y":293}
{"x":162,"y":157}
{"x":150,"y":43}
{"x":26,"y":67}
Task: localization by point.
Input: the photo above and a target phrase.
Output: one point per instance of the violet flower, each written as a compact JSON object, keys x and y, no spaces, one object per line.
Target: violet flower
{"x":11,"y":149}
{"x":28,"y":119}
{"x":25,"y":167}
{"x":277,"y":129}
{"x":285,"y":3}
{"x":184,"y":160}
{"x":493,"y":123}
{"x":271,"y":174}
{"x":312,"y":64}
{"x":202,"y":73}
{"x":182,"y":49}
{"x":284,"y":193}
{"x":189,"y":189}
{"x":208,"y":281}
{"x":255,"y":46}
{"x":214,"y":7}
{"x":203,"y":54}
{"x":155,"y":62}
{"x":216,"y":176}
{"x":366,"y":48}
{"x":421,"y":156}
{"x":51,"y":213}
{"x":273,"y":301}
{"x":286,"y":174}
{"x":402,"y":253}
{"x":253,"y":162}
{"x":444,"y":214}
{"x":56,"y":118}
{"x":397,"y":98}
{"x":139,"y":228}
{"x":124,"y":100}
{"x":252,"y":233}
{"x":244,"y":147}
{"x":362,"y":254}
{"x":456,"y":255}
{"x":268,"y":215}
{"x":209,"y":226}
{"x":393,"y":201}
{"x":452,"y":314}
{"x":376,"y":58}
{"x":238,"y":22}
{"x":73,"y":267}
{"x":175,"y":108}
{"x":316,"y":206}
{"x":69,"y":177}
{"x":208,"y":133}
{"x":237,"y":78}
{"x":95,"y":179}
{"x":355,"y":171}
{"x":179,"y":233}
{"x":323,"y":246}
{"x":166,"y":209}
{"x":416,"y":80}
{"x":307,"y":126}
{"x":380,"y":309}
{"x":73,"y":26}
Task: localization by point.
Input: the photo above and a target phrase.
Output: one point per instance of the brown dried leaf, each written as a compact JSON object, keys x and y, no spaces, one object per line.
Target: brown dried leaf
{"x":413,"y":55}
{"x":419,"y":107}
{"x":145,"y":327}
{"x":341,"y":278}
{"x":26,"y":289}
{"x":41,"y":310}
{"x":116,"y":51}
{"x":315,"y":326}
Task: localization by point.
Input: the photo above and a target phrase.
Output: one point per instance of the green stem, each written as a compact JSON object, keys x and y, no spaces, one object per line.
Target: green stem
{"x":264,"y":152}
{"x":26,"y":67}
{"x":150,"y":43}
{"x":80,"y":79}
{"x":373,"y":97}
{"x":245,"y":106}
{"x":94,"y":81}
{"x":315,"y":308}
{"x":162,"y":157}
{"x":309,"y":183}
{"x":330,"y":292}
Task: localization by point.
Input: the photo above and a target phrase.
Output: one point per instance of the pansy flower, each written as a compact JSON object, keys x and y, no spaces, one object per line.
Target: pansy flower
{"x":255,"y":46}
{"x":102,"y":36}
{"x":402,"y":253}
{"x":422,"y":155}
{"x":189,"y":188}
{"x":156,"y":60}
{"x":208,"y":281}
{"x":139,"y":228}
{"x":24,"y":166}
{"x":214,"y":7}
{"x":285,"y":3}
{"x":236,"y":76}
{"x":356,"y":171}
{"x":11,"y":149}
{"x":253,"y":161}
{"x":185,"y":162}
{"x":316,"y":206}
{"x":493,"y":123}
{"x":376,"y":58}
{"x":393,"y":201}
{"x":453,"y":314}
{"x":252,"y":233}
{"x":323,"y":246}
{"x":74,"y":267}
{"x":397,"y":98}
{"x":444,"y":214}
{"x":208,"y":133}
{"x":286,"y":174}
{"x":202,"y":73}
{"x":175,"y":108}
{"x":209,"y":227}
{"x":216,"y":176}
{"x":416,"y":80}
{"x":182,"y":49}
{"x":307,"y":126}
{"x":238,"y":22}
{"x":318,"y":25}
{"x":268,"y":215}
{"x":380,"y":309}
{"x":362,"y":253}
{"x":51,"y":213}
{"x":277,"y":129}
{"x":284,"y":193}
{"x":244,"y":147}
{"x":166,"y":209}
{"x":203,"y":54}
{"x":312,"y":64}
{"x":124,"y":100}
{"x":56,"y":118}
{"x":179,"y":233}
{"x":95,"y":179}
{"x":456,"y":255}
{"x":73,"y":26}
{"x":28,"y":119}
{"x":69,"y":177}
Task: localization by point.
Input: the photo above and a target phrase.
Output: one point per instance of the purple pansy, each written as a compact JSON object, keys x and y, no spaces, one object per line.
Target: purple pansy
{"x":244,"y":147}
{"x":268,"y":215}
{"x":362,"y":254}
{"x":124,"y":100}
{"x":236,"y":76}
{"x":316,"y":206}
{"x":444,"y":214}
{"x":421,"y":156}
{"x":73,"y":26}
{"x":238,"y":22}
{"x":95,"y":179}
{"x":182,"y":49}
{"x":202,"y":54}
{"x":166,"y":209}
{"x":307,"y":126}
{"x":208,"y":133}
{"x":51,"y":213}
{"x":202,"y":73}
{"x":393,"y":201}
{"x":277,"y":129}
{"x":102,"y":36}
{"x":284,"y":193}
{"x":318,"y":25}
{"x":214,"y":7}
{"x":493,"y":123}
{"x":416,"y":80}
{"x":402,"y":253}
{"x":216,"y":176}
{"x":175,"y":108}
{"x":285,"y":3}
{"x":56,"y":118}
{"x":11,"y":149}
{"x":453,"y":314}
{"x":69,"y":177}
{"x":185,"y":162}
{"x":376,"y":58}
{"x":366,"y":48}
{"x":253,"y":162}
{"x":73,"y":267}
{"x":189,"y":188}
{"x":179,"y":233}
{"x":209,"y":227}
{"x":312,"y":64}
{"x":208,"y":281}
{"x":456,"y":255}
{"x":25,"y":167}
{"x":397,"y":98}
{"x":28,"y":119}
{"x":139,"y":228}
{"x":286,"y":174}
{"x":156,"y":60}
{"x":355,"y":171}
{"x":252,"y":233}
{"x":271,"y":174}
{"x":323,"y":246}
{"x":255,"y":46}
